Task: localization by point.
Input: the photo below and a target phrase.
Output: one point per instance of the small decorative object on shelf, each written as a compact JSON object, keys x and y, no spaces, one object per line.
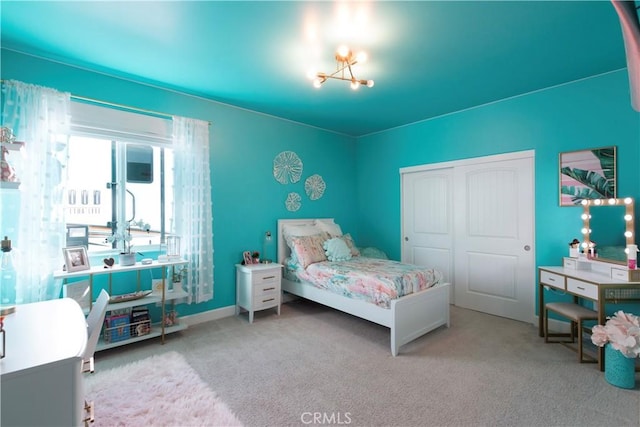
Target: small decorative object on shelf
{"x":108,"y":262}
{"x":75,"y":258}
{"x":171,"y":318}
{"x":127,"y":256}
{"x":128,"y":297}
{"x":255,"y":257}
{"x":620,"y":336}
{"x":574,"y":247}
{"x":246,"y":258}
{"x":173,"y":248}
{"x":632,"y":255}
{"x":8,"y":177}
{"x":8,"y":275}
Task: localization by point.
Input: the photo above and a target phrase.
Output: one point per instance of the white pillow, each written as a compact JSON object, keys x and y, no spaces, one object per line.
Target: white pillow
{"x":327,"y":225}
{"x":298,"y":230}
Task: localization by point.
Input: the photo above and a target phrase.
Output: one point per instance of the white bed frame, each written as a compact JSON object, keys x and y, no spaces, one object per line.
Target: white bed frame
{"x":408,"y":317}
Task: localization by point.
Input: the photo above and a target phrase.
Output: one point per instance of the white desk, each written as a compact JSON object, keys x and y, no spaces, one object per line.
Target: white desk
{"x":591,"y":285}
{"x":41,"y":374}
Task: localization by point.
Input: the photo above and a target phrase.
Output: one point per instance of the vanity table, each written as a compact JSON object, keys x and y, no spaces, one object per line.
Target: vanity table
{"x":588,"y":280}
{"x":41,"y":374}
{"x":594,"y":280}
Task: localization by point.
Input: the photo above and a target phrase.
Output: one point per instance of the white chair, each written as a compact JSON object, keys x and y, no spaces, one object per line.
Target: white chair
{"x":95,"y":319}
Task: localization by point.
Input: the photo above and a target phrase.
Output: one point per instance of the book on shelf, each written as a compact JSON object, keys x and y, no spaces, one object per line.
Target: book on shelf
{"x":116,"y":327}
{"x":140,"y":321}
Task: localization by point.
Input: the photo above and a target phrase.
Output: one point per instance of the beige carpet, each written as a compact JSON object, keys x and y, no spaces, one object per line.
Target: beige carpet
{"x":159,"y":390}
{"x":314,"y":363}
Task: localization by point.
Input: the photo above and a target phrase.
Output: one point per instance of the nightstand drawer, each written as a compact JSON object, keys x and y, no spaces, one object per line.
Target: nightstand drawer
{"x":552,"y":279}
{"x":265,"y":289}
{"x":266,"y":301}
{"x":585,"y":289}
{"x":268,"y":277}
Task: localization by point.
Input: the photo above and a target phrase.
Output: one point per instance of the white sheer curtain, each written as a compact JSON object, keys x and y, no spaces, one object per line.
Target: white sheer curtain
{"x":192,"y":210}
{"x":40,"y":117}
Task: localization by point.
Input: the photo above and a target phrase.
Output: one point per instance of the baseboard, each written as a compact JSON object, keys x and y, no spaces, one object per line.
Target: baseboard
{"x":207,"y":316}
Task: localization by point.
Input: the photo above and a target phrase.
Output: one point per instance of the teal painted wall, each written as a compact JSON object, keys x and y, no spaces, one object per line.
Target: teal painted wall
{"x":247,"y":200}
{"x":362,"y":176}
{"x":590,"y":113}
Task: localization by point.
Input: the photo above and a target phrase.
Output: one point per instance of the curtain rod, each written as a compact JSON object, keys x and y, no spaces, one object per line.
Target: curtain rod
{"x":121,"y":106}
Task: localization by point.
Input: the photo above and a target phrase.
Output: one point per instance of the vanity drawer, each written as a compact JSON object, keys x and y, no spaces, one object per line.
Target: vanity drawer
{"x":552,"y":279}
{"x":619,"y":274}
{"x":584,"y":289}
{"x":570,"y":263}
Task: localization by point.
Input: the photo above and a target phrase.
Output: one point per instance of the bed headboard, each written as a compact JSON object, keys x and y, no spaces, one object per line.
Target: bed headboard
{"x":283,"y":249}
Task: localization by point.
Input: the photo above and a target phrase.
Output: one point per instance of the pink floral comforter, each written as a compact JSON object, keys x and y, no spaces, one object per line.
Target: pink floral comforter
{"x":370,"y":279}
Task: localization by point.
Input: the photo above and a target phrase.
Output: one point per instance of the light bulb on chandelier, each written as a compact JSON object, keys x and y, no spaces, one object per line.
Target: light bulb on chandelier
{"x":345,"y":60}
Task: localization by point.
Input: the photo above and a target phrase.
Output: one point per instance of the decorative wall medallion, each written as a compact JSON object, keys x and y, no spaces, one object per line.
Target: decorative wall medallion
{"x":287,"y":167}
{"x":293,"y":202}
{"x":314,"y":186}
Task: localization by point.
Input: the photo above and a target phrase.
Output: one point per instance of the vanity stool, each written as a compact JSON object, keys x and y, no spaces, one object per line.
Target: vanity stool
{"x":577,"y":314}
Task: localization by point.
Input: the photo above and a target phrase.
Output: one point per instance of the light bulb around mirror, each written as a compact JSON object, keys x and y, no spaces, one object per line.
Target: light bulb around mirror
{"x":584,"y":216}
{"x":585,"y":231}
{"x":597,"y":202}
{"x":628,"y":201}
{"x":628,"y":217}
{"x":612,"y":201}
{"x":628,"y":234}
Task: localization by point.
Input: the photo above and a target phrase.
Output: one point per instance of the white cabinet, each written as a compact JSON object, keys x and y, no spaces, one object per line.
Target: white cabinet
{"x":41,"y":374}
{"x":160,"y":297}
{"x":258,"y":287}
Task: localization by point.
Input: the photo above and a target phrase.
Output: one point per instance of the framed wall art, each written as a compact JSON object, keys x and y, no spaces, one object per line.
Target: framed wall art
{"x":75,"y":258}
{"x":587,"y":174}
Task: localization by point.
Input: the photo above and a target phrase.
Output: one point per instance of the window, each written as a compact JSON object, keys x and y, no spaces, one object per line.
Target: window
{"x":120,"y":176}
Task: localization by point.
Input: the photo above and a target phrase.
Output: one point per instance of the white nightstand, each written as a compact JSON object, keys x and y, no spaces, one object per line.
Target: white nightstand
{"x":258,"y":287}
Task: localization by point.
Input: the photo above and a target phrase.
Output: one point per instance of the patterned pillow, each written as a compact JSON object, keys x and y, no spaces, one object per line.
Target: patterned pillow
{"x":308,"y":249}
{"x":350,"y":243}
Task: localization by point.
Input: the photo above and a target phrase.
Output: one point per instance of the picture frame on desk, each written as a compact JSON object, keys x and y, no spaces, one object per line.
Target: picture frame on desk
{"x":75,"y":258}
{"x":246,"y":257}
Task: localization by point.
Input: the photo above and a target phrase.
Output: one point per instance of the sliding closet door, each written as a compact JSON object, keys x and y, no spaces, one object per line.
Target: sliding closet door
{"x":494,"y":254}
{"x":473,"y":219}
{"x":427,"y":220}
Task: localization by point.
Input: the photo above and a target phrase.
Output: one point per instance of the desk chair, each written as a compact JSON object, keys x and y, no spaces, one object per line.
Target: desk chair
{"x":95,"y":319}
{"x":577,"y":314}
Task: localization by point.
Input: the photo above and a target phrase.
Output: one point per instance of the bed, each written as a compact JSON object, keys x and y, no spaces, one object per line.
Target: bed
{"x":416,"y":312}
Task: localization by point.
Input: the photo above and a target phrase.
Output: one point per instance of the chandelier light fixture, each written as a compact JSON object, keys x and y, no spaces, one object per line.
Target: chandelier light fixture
{"x":345,"y":60}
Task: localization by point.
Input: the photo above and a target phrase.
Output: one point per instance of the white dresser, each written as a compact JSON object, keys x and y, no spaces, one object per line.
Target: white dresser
{"x":41,"y":374}
{"x":259,"y":287}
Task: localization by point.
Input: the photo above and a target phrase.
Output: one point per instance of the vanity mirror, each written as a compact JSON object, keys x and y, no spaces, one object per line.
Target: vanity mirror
{"x":609,"y":223}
